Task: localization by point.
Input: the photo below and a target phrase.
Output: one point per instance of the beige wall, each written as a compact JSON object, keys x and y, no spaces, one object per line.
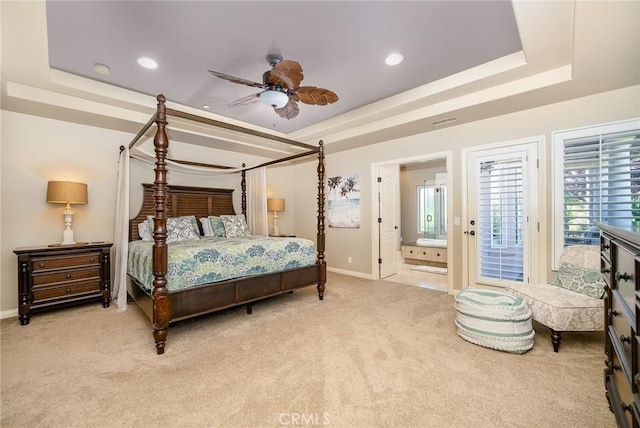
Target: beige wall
{"x":35,"y":150}
{"x":357,"y":243}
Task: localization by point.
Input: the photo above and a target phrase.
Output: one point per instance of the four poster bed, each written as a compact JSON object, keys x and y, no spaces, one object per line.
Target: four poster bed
{"x":300,"y":265}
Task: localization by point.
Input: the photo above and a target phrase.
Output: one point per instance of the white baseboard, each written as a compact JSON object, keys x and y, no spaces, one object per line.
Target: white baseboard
{"x":11,"y":313}
{"x":350,"y":273}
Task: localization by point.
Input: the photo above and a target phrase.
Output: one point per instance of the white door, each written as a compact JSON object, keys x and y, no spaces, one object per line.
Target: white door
{"x":501,"y":230}
{"x":388,"y":218}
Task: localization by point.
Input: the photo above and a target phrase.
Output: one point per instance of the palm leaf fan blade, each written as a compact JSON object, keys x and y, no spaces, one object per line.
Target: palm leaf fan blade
{"x":314,"y":95}
{"x":289,"y":111}
{"x":288,"y":72}
{"x":234,"y":79}
{"x":249,"y":99}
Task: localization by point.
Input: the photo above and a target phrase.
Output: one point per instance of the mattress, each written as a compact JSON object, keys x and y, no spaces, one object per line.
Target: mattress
{"x":212,"y":259}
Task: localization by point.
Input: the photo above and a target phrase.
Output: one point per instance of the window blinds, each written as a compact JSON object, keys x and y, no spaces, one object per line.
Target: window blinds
{"x":601,"y":184}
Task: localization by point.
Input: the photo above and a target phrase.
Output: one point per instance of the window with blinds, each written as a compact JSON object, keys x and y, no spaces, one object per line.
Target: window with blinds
{"x":501,"y":219}
{"x":601,"y":184}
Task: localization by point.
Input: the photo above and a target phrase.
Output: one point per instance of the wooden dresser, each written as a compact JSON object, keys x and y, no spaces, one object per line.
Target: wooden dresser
{"x":431,"y":256}
{"x":51,"y":277}
{"x":620,"y":266}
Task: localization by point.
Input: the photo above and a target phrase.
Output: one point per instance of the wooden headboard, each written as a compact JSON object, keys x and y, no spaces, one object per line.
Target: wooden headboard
{"x":184,"y":200}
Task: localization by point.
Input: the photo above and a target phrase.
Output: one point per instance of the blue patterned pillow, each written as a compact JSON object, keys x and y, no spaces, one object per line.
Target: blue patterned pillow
{"x":218,"y":226}
{"x":235,"y":226}
{"x":179,"y":228}
{"x":580,"y":279}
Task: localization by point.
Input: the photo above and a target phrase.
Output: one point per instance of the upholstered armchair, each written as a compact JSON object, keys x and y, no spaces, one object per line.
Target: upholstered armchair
{"x":573,"y":301}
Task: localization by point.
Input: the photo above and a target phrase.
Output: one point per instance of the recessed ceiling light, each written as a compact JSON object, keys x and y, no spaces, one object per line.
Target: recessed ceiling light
{"x":101,"y":68}
{"x":147,"y":63}
{"x":206,"y":106}
{"x":393,"y":59}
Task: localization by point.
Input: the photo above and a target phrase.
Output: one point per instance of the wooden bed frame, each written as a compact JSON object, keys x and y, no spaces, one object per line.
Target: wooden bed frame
{"x":163,"y":201}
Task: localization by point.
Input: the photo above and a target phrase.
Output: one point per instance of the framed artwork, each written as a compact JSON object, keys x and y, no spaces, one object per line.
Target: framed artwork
{"x":344,"y":201}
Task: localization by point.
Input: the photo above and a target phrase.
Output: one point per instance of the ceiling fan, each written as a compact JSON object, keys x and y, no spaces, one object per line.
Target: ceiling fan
{"x":281,"y":88}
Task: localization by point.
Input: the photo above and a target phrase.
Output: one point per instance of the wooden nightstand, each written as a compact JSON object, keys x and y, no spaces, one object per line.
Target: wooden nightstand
{"x":51,"y":277}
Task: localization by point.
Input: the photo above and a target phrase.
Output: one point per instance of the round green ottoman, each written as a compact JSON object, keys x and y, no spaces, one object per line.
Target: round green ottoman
{"x":494,"y":319}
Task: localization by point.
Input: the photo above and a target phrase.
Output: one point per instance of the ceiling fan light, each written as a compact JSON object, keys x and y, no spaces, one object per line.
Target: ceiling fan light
{"x":275,"y":99}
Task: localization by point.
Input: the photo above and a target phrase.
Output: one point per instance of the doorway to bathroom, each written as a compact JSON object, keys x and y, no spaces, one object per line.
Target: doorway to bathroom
{"x":410,"y":237}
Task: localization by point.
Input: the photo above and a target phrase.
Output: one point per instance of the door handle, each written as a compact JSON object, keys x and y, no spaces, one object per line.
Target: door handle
{"x":471,"y":232}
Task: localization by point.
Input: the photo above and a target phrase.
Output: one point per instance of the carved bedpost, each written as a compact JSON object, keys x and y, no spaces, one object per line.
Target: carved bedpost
{"x":161,"y":303}
{"x":243,"y":185}
{"x":322,"y":265}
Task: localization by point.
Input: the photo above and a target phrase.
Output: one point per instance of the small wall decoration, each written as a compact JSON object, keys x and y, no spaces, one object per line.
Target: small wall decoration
{"x":344,"y":201}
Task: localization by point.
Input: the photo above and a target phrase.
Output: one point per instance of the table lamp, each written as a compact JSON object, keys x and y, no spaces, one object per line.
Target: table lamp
{"x":67,"y":192}
{"x":276,"y":205}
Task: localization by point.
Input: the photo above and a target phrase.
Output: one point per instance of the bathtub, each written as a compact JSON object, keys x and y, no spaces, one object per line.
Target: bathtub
{"x":429,"y":242}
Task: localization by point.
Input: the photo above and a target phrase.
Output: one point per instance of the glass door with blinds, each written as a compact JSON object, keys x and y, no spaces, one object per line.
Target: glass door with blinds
{"x":499,"y":225}
{"x":596,"y":180}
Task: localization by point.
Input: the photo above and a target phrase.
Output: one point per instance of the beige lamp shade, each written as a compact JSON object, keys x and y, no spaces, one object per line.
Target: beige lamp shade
{"x":67,"y":192}
{"x":275,"y":204}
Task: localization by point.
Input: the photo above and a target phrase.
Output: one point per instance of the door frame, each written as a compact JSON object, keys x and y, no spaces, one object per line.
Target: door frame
{"x":451,"y":181}
{"x":538,"y":255}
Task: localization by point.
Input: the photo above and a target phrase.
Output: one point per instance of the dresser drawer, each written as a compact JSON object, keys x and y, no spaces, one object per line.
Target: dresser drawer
{"x":622,"y":392}
{"x":65,"y":276}
{"x":605,"y":269}
{"x":605,"y":246}
{"x":39,"y":264}
{"x":53,"y":292}
{"x":624,"y":275}
{"x":622,"y":323}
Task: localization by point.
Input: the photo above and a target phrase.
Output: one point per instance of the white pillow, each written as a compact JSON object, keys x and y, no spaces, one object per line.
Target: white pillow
{"x":206,"y":226}
{"x":143,"y":231}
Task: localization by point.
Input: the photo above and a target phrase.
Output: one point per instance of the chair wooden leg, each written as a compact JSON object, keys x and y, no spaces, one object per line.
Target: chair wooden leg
{"x":556,"y":337}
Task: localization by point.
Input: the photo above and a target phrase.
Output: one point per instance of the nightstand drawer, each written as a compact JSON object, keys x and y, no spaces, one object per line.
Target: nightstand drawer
{"x":39,"y":264}
{"x":65,"y":276}
{"x":84,"y":287}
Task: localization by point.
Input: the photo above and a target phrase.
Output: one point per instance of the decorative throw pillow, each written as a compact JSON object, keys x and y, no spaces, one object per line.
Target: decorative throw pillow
{"x":182,"y":228}
{"x":143,"y":231}
{"x":206,"y":226}
{"x":583,"y":280}
{"x":235,"y":226}
{"x":217,"y":226}
{"x":179,"y":228}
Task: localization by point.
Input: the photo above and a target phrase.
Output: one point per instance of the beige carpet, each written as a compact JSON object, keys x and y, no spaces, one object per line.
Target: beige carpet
{"x":373,"y":353}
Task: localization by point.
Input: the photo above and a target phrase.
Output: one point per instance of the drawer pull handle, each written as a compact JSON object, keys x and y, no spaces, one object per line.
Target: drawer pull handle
{"x":605,"y":270}
{"x":68,"y":276}
{"x":41,"y":265}
{"x":627,"y":407}
{"x":622,"y":276}
{"x":91,"y":260}
{"x":68,"y":290}
{"x":624,"y":338}
{"x":636,"y":379}
{"x":613,"y":313}
{"x":604,"y":247}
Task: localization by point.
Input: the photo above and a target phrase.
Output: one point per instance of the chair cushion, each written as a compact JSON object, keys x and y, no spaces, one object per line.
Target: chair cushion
{"x":494,"y":319}
{"x":561,"y":309}
{"x":583,"y":280}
